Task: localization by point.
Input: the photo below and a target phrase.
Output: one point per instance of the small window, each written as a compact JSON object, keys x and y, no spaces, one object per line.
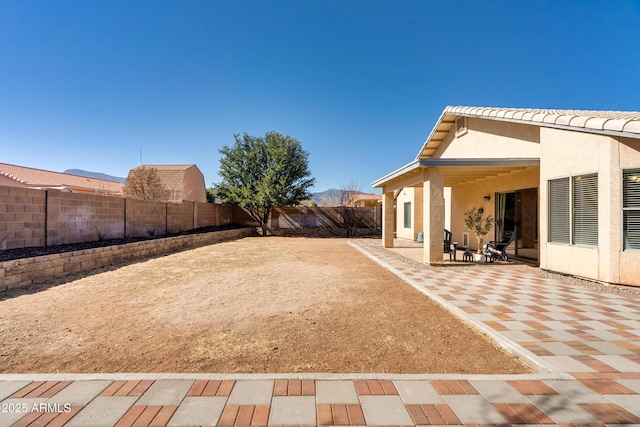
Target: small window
{"x":559,"y":211}
{"x":407,"y":215}
{"x":585,"y":210}
{"x":461,"y":126}
{"x":631,"y":208}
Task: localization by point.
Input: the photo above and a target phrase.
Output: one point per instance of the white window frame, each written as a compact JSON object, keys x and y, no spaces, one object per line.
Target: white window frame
{"x":576,"y":207}
{"x":626,"y":209}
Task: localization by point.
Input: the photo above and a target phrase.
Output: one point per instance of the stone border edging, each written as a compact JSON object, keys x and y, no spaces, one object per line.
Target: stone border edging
{"x":502,"y":341}
{"x":20,"y":273}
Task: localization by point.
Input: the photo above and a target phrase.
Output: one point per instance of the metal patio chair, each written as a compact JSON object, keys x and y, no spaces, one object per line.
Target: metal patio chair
{"x":494,"y":250}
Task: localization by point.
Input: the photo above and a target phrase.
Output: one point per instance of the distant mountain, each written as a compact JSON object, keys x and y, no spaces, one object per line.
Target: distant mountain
{"x":96,"y":175}
{"x":330,"y":197}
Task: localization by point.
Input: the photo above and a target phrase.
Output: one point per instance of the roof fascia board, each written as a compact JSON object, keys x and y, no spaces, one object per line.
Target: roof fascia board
{"x":548,"y":125}
{"x":396,"y":173}
{"x":433,"y":131}
{"x":438,"y":162}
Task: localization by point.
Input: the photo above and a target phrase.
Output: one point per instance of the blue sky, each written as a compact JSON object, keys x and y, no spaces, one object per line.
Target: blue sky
{"x":359,"y":83}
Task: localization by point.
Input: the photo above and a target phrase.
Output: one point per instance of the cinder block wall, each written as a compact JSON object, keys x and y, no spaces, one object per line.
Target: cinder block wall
{"x":145,"y":218}
{"x":73,"y":218}
{"x":180,"y":217}
{"x":22,"y":216}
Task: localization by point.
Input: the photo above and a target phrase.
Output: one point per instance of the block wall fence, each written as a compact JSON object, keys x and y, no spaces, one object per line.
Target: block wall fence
{"x":30,"y":217}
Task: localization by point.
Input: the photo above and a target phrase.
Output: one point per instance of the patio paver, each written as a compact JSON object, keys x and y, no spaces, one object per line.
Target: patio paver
{"x":585,"y":345}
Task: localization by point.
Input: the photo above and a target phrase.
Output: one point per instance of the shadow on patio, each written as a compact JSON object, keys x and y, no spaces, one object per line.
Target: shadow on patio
{"x":413,"y":251}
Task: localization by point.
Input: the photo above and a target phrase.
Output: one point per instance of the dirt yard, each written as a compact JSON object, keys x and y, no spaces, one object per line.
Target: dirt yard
{"x":253,"y":305}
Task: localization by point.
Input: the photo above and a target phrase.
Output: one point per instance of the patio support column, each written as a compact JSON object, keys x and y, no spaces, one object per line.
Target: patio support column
{"x":387,"y":219}
{"x":433,"y":216}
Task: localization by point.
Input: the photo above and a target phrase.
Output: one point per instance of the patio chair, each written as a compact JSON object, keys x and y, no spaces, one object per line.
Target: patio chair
{"x":447,"y":241}
{"x":494,"y":250}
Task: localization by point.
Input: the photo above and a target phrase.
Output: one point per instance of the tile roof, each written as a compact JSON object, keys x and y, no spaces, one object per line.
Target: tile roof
{"x":38,"y":178}
{"x":171,"y":176}
{"x":616,"y":123}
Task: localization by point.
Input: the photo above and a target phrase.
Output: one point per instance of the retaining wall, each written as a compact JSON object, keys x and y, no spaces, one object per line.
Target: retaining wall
{"x":28,"y":271}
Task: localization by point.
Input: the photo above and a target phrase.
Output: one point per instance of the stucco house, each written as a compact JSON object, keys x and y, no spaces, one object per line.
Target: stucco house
{"x":183,"y":182}
{"x":568,"y":181}
{"x":21,"y":176}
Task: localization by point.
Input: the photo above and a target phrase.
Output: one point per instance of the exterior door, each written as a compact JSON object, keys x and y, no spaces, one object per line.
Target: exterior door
{"x":518,"y":209}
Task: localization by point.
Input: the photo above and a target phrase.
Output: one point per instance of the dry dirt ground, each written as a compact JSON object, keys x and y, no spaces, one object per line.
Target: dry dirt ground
{"x":255,"y":305}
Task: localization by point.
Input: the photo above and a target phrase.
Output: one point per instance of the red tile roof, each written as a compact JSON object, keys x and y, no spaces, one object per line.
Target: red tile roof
{"x":38,"y":178}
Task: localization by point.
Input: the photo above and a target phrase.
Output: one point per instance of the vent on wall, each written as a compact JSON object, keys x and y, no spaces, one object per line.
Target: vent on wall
{"x":461,"y":126}
{"x":465,"y":239}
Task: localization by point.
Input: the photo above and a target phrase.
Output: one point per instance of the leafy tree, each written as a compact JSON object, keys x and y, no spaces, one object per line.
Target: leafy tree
{"x":143,"y":183}
{"x":212,"y":195}
{"x":474,"y":222}
{"x":260,"y":173}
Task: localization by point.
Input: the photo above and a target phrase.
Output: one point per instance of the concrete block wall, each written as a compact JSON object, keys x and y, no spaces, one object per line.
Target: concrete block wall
{"x":180,"y":217}
{"x":74,"y":218}
{"x":22,"y":216}
{"x":29,"y":271}
{"x":205,"y":214}
{"x":145,"y":218}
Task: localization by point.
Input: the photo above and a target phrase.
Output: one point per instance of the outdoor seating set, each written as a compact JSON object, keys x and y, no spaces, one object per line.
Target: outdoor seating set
{"x":492,"y":251}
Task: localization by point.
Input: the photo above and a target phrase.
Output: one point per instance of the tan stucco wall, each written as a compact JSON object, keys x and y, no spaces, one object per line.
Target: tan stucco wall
{"x":194,"y":188}
{"x":413,"y":195}
{"x":467,"y":196}
{"x":568,"y":154}
{"x":491,"y":139}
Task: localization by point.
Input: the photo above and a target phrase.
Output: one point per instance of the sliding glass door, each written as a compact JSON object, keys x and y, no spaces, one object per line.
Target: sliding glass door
{"x":518,"y":211}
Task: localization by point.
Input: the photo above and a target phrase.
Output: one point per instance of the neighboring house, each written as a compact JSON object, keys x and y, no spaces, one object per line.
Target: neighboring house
{"x":364,"y":200}
{"x":183,"y":182}
{"x":20,"y":176}
{"x":568,"y":180}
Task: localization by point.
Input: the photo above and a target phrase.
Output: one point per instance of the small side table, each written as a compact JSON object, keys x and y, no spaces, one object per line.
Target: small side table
{"x":452,"y":250}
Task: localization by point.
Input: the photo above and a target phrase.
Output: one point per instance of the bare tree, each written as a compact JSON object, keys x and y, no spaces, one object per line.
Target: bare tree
{"x":351,"y":215}
{"x":143,"y":183}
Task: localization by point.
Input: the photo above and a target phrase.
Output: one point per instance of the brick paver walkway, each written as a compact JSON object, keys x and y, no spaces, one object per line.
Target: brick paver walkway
{"x":585,"y":345}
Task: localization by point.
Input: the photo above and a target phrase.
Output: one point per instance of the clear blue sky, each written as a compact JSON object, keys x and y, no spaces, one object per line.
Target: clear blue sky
{"x":87,"y":84}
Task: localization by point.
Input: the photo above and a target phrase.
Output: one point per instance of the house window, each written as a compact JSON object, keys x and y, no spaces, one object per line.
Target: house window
{"x":573,"y":210}
{"x":631,"y":208}
{"x":585,"y":210}
{"x":559,"y":211}
{"x":407,"y":215}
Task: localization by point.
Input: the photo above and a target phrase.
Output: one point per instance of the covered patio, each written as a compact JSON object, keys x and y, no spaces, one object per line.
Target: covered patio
{"x":430,"y":195}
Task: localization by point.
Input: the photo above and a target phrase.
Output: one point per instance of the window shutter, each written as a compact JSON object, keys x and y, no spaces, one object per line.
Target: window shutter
{"x":631,"y":206}
{"x":559,"y":210}
{"x":585,"y":210}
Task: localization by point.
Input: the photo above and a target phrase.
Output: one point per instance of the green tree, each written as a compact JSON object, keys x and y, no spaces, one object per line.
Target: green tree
{"x":474,"y":222}
{"x":260,"y":173}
